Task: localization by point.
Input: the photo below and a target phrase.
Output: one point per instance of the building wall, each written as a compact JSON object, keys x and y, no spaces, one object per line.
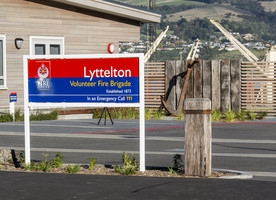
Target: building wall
{"x":84,"y":32}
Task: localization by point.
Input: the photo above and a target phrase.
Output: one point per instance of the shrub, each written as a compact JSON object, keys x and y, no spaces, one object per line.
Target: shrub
{"x":41,"y":116}
{"x":177,"y":164}
{"x":180,"y":116}
{"x":57,"y":161}
{"x":216,"y":115}
{"x":34,"y":117}
{"x":251,"y":115}
{"x":241,"y":115}
{"x":261,"y":115}
{"x":97,"y":113}
{"x":158,"y":115}
{"x":131,"y":113}
{"x":6,"y":117}
{"x":92,"y":163}
{"x":172,"y":171}
{"x":229,"y":115}
{"x":32,"y":166}
{"x":73,"y":169}
{"x":43,"y":165}
{"x":22,"y":157}
{"x":117,"y":114}
{"x":130,"y":165}
{"x":177,"y":161}
{"x":18,"y":116}
{"x":147,"y":114}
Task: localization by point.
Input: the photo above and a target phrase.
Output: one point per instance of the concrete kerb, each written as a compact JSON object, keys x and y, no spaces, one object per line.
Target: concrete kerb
{"x":240,"y":174}
{"x":75,"y":116}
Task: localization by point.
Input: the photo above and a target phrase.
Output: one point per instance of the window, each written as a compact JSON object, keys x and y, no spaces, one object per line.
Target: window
{"x":40,"y":49}
{"x":55,"y":49}
{"x":3,"y":62}
{"x":43,"y":45}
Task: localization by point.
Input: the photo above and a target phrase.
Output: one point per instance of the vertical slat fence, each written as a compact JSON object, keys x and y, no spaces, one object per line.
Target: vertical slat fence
{"x":154,"y":83}
{"x":258,"y":87}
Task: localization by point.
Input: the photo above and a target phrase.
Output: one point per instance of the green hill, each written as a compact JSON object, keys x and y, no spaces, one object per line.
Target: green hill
{"x":163,"y":2}
{"x":216,"y":12}
{"x":247,"y":16}
{"x":233,"y":10}
{"x":189,"y":20}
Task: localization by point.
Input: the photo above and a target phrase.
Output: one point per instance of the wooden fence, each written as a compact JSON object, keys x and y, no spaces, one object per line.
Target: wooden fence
{"x":229,"y":84}
{"x":258,"y":86}
{"x":216,"y":80}
{"x":154,"y":84}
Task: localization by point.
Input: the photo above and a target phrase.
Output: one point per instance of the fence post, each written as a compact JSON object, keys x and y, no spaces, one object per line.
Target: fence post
{"x":198,"y":136}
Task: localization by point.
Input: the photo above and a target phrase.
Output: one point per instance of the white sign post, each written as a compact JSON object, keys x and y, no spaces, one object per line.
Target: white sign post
{"x":100,"y":80}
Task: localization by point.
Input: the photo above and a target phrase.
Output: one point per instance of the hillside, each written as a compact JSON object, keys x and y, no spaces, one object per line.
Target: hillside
{"x":216,"y":12}
{"x":269,"y":5}
{"x":225,"y":9}
{"x":252,"y":21}
{"x":162,"y":2}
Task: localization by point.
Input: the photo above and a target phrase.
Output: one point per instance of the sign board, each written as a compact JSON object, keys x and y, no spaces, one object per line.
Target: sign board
{"x":13,"y":97}
{"x":101,"y":80}
{"x":94,"y":80}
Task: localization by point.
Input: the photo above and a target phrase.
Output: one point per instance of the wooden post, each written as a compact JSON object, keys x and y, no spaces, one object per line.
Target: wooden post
{"x":215,"y":84}
{"x":170,"y":84}
{"x":207,"y":79}
{"x":236,"y":84}
{"x":190,"y":88}
{"x":198,"y":80}
{"x":179,"y":68}
{"x":225,"y":85}
{"x":198,"y":135}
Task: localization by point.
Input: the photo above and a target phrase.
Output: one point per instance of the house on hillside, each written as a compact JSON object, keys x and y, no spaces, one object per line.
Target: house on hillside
{"x":33,"y":27}
{"x":248,"y":36}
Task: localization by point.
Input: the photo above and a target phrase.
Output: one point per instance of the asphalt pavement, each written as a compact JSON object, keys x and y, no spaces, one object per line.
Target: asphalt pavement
{"x":86,"y":187}
{"x":248,"y":147}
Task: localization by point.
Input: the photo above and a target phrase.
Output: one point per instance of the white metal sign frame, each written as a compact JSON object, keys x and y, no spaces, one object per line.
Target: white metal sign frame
{"x":140,"y":105}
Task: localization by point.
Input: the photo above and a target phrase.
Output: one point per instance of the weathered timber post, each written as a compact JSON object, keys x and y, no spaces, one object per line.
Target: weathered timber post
{"x":198,"y":136}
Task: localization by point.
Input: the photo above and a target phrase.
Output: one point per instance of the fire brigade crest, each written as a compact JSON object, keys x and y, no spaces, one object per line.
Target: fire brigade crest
{"x":43,"y":83}
{"x":43,"y":72}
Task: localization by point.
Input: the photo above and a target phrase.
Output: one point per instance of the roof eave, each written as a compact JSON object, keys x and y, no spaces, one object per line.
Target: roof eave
{"x":115,"y":9}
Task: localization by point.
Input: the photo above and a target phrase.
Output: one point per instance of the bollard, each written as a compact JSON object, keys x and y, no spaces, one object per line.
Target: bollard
{"x":198,"y":136}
